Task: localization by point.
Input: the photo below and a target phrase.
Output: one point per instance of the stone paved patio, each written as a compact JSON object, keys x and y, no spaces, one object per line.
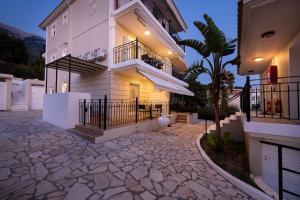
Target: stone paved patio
{"x":41,"y":161}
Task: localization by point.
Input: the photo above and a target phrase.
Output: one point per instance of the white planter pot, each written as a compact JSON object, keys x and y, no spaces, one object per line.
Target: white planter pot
{"x":163,"y":120}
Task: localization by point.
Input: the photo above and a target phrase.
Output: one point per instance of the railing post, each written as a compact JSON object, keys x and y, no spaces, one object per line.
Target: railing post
{"x":105,"y":112}
{"x":150,"y":111}
{"x":248,"y":98}
{"x":84,"y":110}
{"x":280,"y":172}
{"x":136,"y":109}
{"x":136,"y":48}
{"x":99,"y":114}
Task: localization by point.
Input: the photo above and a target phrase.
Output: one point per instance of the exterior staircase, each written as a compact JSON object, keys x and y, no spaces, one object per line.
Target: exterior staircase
{"x":181,"y":118}
{"x":18,"y":102}
{"x":87,"y":132}
{"x":232,"y":124}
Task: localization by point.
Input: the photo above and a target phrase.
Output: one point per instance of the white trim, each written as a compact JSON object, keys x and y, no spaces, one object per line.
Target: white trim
{"x":248,"y":189}
{"x":141,"y":65}
{"x":162,"y":84}
{"x":153,"y":25}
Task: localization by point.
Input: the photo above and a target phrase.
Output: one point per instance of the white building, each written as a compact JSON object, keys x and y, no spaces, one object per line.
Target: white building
{"x":129,"y":46}
{"x":269,"y":46}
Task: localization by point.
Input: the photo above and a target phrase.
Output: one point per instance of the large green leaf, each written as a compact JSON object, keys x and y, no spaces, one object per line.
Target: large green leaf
{"x":200,"y":47}
{"x":196,"y":69}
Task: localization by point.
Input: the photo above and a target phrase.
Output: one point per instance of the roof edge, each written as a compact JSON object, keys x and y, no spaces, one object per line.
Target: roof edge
{"x":61,"y":7}
{"x":178,"y":15}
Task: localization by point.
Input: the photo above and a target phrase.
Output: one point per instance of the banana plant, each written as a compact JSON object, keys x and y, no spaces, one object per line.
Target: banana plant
{"x":213,"y":49}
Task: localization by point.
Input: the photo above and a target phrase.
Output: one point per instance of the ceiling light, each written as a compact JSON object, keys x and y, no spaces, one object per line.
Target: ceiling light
{"x":267,"y":34}
{"x":258,"y":59}
{"x":170,"y":52}
{"x":147,"y":33}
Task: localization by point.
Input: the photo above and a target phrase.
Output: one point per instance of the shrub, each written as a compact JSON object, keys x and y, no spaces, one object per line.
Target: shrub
{"x":208,"y":112}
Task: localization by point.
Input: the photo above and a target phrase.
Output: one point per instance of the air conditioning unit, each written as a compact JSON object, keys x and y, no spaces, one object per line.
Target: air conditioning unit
{"x":99,"y":54}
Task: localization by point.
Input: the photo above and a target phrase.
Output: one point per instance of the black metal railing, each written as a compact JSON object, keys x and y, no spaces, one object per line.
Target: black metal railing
{"x":104,"y":113}
{"x":283,"y":167}
{"x":261,"y":98}
{"x":137,"y":50}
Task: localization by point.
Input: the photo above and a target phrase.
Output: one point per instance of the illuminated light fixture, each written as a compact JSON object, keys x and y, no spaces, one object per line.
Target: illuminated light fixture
{"x":267,"y":34}
{"x":170,"y":52}
{"x":258,"y":59}
{"x":147,"y":32}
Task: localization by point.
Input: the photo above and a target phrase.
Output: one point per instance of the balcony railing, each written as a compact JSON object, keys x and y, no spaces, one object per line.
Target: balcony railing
{"x":158,"y":15}
{"x":104,"y":113}
{"x":138,"y":50}
{"x":279,"y":99}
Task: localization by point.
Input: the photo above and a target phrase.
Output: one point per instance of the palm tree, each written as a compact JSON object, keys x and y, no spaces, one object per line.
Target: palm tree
{"x":213,"y":49}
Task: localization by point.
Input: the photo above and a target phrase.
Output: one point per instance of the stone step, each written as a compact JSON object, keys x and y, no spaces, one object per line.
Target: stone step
{"x":19,"y":107}
{"x":87,"y":132}
{"x":181,"y":121}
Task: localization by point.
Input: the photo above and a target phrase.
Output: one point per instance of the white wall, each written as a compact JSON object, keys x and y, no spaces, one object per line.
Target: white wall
{"x":62,"y":109}
{"x":288,"y":62}
{"x":37,"y":96}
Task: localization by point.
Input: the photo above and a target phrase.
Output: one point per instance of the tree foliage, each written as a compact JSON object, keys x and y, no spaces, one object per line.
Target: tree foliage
{"x":14,"y":59}
{"x":213,"y":49}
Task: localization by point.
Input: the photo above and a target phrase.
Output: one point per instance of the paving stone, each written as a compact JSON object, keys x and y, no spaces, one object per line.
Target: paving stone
{"x":147,"y":196}
{"x":156,"y":175}
{"x":166,"y":165}
{"x":35,"y":154}
{"x":170,"y":185}
{"x":40,"y":171}
{"x":185,"y":193}
{"x":44,"y":187}
{"x":139,"y":172}
{"x":115,"y":182}
{"x":99,"y":169}
{"x":113,"y":191}
{"x":123,"y":196}
{"x":101,"y":181}
{"x":6,"y":155}
{"x":120,"y":175}
{"x":146,"y":183}
{"x":200,"y":189}
{"x":62,"y":173}
{"x":4,"y":173}
{"x":78,"y":192}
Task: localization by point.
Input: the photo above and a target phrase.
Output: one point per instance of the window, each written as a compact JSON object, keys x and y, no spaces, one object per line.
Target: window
{"x":134,"y":91}
{"x":53,"y":30}
{"x":65,"y":18}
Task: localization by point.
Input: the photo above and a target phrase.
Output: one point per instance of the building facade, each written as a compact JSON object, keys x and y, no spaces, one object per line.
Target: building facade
{"x":134,"y":39}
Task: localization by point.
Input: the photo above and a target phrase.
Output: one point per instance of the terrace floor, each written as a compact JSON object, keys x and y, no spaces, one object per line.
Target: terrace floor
{"x":41,"y":161}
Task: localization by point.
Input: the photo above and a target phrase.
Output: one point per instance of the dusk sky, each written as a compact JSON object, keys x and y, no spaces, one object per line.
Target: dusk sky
{"x":26,"y":15}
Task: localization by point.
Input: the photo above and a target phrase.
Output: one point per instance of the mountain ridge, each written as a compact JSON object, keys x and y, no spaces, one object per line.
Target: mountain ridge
{"x":35,"y":44}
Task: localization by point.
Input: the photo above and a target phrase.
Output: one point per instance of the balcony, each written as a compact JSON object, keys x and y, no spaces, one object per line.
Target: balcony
{"x":158,"y":13}
{"x":266,"y":100}
{"x":137,"y":50}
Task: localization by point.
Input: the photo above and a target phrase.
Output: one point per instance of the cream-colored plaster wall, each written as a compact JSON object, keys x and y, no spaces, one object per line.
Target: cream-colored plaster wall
{"x":87,"y":30}
{"x":95,"y":83}
{"x":121,"y":32}
{"x":57,"y":44}
{"x":90,"y":27}
{"x":119,"y":88}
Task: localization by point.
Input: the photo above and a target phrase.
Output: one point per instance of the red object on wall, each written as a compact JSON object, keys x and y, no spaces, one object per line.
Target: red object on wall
{"x":273,"y":74}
